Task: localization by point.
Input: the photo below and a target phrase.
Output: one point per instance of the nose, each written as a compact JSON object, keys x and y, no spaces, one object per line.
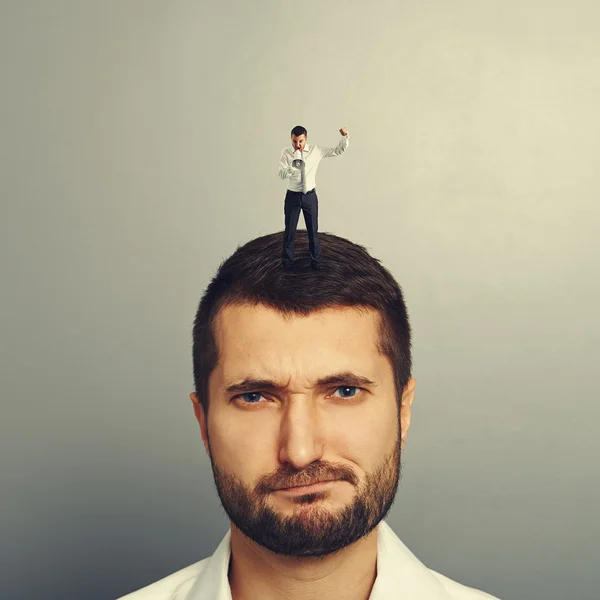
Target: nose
{"x":300,"y":438}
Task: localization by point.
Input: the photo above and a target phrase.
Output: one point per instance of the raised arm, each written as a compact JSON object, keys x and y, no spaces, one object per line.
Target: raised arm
{"x":285,"y":168}
{"x":340,"y":148}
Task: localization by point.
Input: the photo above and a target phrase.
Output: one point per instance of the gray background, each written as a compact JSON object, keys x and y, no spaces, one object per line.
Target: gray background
{"x":139,"y":147}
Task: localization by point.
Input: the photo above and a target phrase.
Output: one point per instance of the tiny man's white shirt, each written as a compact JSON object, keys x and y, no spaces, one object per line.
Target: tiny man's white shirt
{"x":400,"y":574}
{"x":303,"y":180}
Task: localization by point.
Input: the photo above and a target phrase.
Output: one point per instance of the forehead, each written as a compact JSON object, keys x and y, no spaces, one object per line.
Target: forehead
{"x":260,"y":340}
{"x":298,"y":137}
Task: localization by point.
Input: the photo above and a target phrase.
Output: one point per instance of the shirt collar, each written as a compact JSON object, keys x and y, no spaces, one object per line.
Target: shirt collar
{"x":305,"y":149}
{"x":398,"y":570}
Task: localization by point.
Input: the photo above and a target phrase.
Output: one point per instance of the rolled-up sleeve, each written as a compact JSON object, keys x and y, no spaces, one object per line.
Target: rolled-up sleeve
{"x":285,"y":169}
{"x":339,"y":149}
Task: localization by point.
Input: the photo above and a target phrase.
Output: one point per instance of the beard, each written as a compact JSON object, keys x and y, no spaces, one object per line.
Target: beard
{"x":315,"y":531}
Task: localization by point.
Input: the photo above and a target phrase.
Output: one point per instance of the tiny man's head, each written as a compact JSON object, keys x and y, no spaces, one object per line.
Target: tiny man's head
{"x":303,"y":378}
{"x":299,"y":135}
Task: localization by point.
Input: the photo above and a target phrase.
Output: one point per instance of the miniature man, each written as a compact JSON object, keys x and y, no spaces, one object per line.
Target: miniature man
{"x":299,"y":163}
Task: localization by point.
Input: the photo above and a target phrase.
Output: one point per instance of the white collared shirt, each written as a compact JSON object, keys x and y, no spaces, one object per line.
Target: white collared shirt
{"x":400,"y":574}
{"x":304,"y":180}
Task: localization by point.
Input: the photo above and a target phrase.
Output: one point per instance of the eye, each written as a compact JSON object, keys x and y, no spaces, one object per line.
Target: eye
{"x":249,"y":397}
{"x":348,"y":391}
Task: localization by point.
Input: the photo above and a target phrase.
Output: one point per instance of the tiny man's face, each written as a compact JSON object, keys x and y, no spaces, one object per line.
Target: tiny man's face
{"x":299,"y":141}
{"x":303,"y":401}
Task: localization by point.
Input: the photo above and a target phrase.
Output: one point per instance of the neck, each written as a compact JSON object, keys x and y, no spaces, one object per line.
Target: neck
{"x":255,"y":572}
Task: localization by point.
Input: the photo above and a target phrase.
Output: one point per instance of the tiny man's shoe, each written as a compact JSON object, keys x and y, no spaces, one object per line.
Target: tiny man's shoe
{"x":316,"y":266}
{"x":286,"y":265}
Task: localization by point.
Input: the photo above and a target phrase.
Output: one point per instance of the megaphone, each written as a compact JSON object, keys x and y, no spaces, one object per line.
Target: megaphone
{"x":297,"y":162}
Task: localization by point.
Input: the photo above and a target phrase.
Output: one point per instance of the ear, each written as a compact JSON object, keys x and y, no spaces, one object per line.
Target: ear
{"x":201,"y":418}
{"x":408,"y":395}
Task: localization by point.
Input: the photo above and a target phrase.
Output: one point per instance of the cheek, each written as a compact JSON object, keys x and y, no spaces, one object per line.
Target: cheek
{"x":241,"y":452}
{"x":365,"y":437}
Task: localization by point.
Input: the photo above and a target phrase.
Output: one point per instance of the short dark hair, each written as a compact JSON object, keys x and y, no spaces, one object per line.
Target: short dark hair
{"x":349,"y":277}
{"x":299,"y":130}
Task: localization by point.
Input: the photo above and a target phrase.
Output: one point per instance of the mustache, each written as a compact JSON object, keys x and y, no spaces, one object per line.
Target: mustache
{"x":314,"y":473}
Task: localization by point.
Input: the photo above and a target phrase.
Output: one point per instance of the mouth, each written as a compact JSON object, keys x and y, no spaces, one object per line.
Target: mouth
{"x":307,"y":489}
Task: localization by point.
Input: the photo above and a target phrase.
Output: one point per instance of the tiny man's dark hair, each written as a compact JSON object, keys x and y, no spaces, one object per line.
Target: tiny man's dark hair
{"x":298,"y":131}
{"x":350,"y":277}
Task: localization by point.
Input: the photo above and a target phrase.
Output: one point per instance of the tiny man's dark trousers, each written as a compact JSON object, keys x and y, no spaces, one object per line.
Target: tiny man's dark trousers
{"x":309,"y":205}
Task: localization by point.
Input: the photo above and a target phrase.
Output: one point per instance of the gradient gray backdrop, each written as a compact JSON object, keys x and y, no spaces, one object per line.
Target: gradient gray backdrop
{"x":139,"y":146}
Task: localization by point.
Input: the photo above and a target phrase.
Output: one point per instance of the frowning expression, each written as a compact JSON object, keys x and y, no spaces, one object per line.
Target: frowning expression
{"x":303,"y":401}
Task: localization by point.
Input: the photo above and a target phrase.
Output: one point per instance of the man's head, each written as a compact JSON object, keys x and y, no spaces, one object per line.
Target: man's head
{"x":303,"y":377}
{"x":299,"y":135}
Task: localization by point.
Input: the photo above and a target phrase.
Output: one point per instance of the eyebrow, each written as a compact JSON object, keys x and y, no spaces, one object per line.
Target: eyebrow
{"x":345,"y":378}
